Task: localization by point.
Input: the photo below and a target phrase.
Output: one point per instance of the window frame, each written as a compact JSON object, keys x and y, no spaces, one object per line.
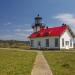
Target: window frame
{"x":67,"y":43}
{"x":39,"y":43}
{"x":56,"y":42}
{"x":62,"y":42}
{"x":70,"y":42}
{"x":32,"y":43}
{"x":47,"y":42}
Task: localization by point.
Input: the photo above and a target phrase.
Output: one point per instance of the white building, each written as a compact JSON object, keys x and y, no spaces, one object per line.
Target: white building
{"x":60,"y":37}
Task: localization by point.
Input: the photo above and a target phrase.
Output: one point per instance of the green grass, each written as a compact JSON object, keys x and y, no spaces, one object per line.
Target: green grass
{"x":61,"y":63}
{"x":16,"y":62}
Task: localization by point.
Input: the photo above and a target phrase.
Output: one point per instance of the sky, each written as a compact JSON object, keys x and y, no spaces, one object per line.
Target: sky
{"x":17,"y":16}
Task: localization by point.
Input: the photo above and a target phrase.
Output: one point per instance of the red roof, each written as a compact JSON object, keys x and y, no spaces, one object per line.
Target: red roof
{"x":54,"y":31}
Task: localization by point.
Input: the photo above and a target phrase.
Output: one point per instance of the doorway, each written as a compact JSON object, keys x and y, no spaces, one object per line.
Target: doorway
{"x":67,"y":44}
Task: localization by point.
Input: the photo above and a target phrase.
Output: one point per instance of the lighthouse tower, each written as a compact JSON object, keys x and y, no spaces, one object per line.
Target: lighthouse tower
{"x":38,"y":24}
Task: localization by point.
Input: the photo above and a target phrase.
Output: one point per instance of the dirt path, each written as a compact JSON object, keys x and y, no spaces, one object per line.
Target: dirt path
{"x":40,"y":66}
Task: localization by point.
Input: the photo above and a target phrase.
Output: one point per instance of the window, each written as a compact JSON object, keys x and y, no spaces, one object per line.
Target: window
{"x":56,"y":42}
{"x":39,"y":43}
{"x":63,"y":42}
{"x":67,"y":42}
{"x":71,"y":43}
{"x":32,"y":42}
{"x":47,"y":42}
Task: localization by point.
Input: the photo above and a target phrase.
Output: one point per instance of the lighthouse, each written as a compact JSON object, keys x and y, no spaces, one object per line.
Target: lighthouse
{"x":37,"y":24}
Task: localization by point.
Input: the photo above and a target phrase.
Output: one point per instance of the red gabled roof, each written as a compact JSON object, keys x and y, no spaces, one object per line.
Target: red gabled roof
{"x":54,"y":31}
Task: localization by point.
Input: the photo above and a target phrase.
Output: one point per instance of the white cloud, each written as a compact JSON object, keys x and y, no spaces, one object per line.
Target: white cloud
{"x":9,"y":23}
{"x":24,"y":33}
{"x":6,"y":37}
{"x":66,"y":18}
{"x":73,"y":30}
{"x":13,"y":37}
{"x":28,"y":30}
{"x":23,"y":30}
{"x":17,"y":34}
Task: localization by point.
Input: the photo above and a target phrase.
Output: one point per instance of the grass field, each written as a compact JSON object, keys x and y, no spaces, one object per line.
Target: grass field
{"x":61,"y":63}
{"x":16,"y":62}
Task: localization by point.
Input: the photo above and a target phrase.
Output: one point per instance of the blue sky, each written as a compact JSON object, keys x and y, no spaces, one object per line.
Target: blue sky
{"x":17,"y":16}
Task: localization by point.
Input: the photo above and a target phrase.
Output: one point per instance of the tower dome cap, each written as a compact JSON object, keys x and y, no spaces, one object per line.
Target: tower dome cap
{"x":38,"y":17}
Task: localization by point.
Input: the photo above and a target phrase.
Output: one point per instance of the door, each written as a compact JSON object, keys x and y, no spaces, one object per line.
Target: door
{"x":67,"y":44}
{"x":39,"y":44}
